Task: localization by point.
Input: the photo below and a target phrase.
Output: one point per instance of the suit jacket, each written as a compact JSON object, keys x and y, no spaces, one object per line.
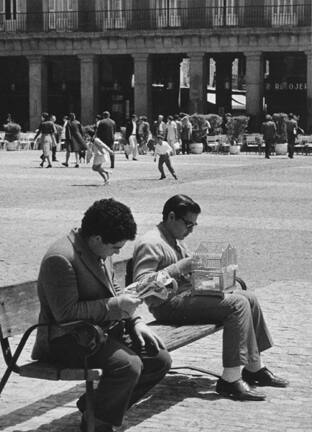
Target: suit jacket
{"x":73,"y":286}
{"x":268,"y":130}
{"x":106,"y":129}
{"x":129,"y":129}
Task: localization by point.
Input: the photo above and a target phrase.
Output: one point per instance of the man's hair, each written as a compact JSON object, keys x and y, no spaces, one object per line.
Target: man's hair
{"x":106,"y":114}
{"x":111,"y":220}
{"x":45,"y":116}
{"x":180,"y":205}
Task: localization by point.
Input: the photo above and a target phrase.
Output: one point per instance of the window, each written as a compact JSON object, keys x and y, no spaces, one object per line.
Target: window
{"x":10,"y":17}
{"x":113,"y":14}
{"x":284,"y":13}
{"x":62,"y":16}
{"x":167,"y":13}
{"x":225,"y":12}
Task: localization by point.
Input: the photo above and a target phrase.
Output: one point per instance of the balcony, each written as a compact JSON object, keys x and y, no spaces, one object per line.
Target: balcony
{"x":157,"y":19}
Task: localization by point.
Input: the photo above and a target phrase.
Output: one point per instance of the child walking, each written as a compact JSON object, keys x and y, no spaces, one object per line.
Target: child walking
{"x":99,"y":150}
{"x":163,"y":149}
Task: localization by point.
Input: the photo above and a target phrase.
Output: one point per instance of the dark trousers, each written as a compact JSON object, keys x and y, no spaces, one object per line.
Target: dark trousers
{"x":165,"y":159}
{"x":268,"y":147}
{"x":53,"y":153}
{"x":111,"y":156}
{"x":128,"y":373}
{"x":185,"y":146}
{"x":245,"y":333}
{"x":291,"y":145}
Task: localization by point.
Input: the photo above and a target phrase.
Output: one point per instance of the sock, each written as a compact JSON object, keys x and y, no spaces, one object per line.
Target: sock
{"x":254,"y":366}
{"x":231,"y":374}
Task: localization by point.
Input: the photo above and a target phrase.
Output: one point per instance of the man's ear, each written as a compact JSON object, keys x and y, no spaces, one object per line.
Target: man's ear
{"x":171,"y":216}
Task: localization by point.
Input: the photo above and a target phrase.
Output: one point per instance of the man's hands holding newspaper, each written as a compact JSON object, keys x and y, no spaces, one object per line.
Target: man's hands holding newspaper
{"x":154,"y":285}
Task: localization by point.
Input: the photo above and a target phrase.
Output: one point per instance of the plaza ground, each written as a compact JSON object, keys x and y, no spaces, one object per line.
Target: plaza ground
{"x":263,"y":207}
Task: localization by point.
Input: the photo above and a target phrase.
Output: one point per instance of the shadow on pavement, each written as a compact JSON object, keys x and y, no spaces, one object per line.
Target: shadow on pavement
{"x":172,"y":390}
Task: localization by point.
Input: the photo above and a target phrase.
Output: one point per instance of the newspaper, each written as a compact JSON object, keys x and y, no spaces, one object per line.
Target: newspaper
{"x":158,"y":285}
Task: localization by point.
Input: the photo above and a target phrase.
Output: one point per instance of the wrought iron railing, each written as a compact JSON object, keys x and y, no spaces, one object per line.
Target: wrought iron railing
{"x":154,"y":19}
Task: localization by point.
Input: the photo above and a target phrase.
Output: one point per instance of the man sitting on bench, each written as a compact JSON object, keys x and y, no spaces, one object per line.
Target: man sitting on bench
{"x":76,"y":282}
{"x":245,"y":333}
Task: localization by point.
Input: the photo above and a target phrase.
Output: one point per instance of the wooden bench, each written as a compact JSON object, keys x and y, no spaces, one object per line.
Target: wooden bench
{"x":19,"y":309}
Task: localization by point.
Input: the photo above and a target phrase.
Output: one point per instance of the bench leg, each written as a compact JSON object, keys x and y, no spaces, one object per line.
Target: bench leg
{"x":90,"y":406}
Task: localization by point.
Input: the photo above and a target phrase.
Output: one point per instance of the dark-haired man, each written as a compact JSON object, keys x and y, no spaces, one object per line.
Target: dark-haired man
{"x":105,"y":130}
{"x":76,"y":282}
{"x":268,"y":129}
{"x":245,"y":333}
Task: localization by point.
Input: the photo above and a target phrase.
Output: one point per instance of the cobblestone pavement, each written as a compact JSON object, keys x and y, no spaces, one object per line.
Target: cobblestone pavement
{"x":263,"y":207}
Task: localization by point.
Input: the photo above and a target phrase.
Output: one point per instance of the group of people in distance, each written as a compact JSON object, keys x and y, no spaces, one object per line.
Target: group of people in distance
{"x":269,"y":131}
{"x":76,"y":282}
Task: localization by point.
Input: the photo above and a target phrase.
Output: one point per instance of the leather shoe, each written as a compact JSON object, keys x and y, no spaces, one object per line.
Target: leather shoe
{"x":238,"y":390}
{"x":99,"y":426}
{"x":263,"y":377}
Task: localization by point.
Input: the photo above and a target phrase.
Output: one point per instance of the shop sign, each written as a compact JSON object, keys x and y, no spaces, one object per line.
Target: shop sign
{"x":293,"y":86}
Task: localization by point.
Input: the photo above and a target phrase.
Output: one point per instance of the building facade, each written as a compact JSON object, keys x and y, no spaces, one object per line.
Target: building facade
{"x":154,"y":56}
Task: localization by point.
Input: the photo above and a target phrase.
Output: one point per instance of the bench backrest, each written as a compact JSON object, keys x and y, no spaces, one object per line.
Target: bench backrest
{"x":19,"y":304}
{"x":19,"y":308}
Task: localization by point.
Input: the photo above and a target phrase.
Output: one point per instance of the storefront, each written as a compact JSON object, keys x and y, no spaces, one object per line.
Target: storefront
{"x":285,"y":84}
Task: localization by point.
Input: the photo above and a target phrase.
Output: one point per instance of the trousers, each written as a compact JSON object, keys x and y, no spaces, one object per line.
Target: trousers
{"x":245,"y":332}
{"x":165,"y":159}
{"x":132,"y":147}
{"x":128,"y":372}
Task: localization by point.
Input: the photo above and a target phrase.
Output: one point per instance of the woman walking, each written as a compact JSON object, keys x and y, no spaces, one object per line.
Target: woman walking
{"x":47,"y":130}
{"x":73,"y":139}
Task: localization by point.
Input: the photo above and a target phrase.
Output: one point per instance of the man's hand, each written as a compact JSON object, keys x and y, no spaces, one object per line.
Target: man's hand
{"x":128,"y":303}
{"x":145,"y":334}
{"x":185,"y":265}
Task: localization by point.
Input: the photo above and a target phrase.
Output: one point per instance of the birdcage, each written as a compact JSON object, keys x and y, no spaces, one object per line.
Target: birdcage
{"x":213,"y":269}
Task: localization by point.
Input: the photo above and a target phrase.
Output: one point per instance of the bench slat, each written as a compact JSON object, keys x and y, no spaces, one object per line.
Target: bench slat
{"x":175,"y":337}
{"x":48,"y":371}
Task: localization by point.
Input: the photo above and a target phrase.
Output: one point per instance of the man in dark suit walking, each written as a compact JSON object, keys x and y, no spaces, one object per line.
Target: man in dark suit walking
{"x":292,"y":126}
{"x":105,"y":131}
{"x":268,"y":130}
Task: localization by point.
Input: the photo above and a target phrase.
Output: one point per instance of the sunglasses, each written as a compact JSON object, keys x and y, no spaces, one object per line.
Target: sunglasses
{"x":189,"y":224}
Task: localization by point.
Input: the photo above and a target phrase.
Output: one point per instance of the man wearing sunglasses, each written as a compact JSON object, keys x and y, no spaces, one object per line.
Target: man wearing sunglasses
{"x":245,"y":333}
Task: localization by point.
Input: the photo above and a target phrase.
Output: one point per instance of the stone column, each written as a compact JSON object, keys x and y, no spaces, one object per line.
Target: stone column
{"x":88,"y":88}
{"x":142,"y":86}
{"x":309,"y":91}
{"x":37,"y":89}
{"x":254,"y":87}
{"x":198,"y":92}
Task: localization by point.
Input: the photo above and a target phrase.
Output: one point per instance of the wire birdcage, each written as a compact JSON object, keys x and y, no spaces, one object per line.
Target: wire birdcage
{"x":214,"y":268}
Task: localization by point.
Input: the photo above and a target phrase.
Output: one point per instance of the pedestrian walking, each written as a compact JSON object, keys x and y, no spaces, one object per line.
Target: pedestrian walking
{"x":105,"y":131}
{"x":58,"y":135}
{"x":159,"y":126}
{"x":163,"y":150}
{"x":268,"y":129}
{"x":144,"y":134}
{"x":73,"y":139}
{"x":100,"y":151}
{"x":47,"y":131}
{"x":291,"y":127}
{"x":171,"y":134}
{"x":186,"y":134}
{"x":132,"y":137}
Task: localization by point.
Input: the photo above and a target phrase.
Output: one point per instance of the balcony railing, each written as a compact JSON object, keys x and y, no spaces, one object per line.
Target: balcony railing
{"x":153,"y":19}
